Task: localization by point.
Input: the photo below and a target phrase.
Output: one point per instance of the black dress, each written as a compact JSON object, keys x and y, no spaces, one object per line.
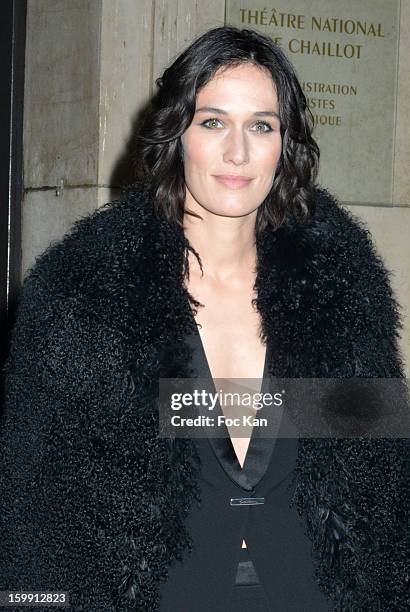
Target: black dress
{"x":275,"y":572}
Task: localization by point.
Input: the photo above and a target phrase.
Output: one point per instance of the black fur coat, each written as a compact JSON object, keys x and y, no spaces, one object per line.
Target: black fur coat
{"x":93,"y":502}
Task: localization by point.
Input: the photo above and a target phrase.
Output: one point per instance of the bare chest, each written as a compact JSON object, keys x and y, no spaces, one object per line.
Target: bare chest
{"x":230,"y":334}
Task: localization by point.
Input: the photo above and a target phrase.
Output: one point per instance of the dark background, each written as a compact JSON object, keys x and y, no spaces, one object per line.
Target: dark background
{"x":12,"y":53}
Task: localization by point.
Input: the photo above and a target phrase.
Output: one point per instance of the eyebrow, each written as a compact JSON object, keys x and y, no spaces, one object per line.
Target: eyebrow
{"x":212,"y":109}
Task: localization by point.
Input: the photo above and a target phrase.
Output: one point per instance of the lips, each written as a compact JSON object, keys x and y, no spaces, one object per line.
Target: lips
{"x":232,"y":181}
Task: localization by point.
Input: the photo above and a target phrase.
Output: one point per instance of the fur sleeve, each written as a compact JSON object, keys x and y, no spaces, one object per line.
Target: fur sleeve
{"x":355,"y":491}
{"x":58,"y":383}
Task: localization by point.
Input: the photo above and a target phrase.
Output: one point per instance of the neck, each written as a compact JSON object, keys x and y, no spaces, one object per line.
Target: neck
{"x":226,"y":245}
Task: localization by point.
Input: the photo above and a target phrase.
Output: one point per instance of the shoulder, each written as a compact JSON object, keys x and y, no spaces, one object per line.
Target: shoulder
{"x":95,"y":248}
{"x":336,"y":220}
{"x":81,"y":277}
{"x":71,"y":296}
{"x":333,"y":261}
{"x":333,"y":238}
{"x":348,"y":244}
{"x":333,"y":222}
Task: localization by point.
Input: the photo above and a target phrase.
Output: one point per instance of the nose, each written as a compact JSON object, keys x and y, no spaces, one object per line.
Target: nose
{"x":236,"y":148}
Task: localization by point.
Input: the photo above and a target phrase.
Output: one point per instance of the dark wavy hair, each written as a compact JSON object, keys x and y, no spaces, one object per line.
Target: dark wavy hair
{"x":172,"y":108}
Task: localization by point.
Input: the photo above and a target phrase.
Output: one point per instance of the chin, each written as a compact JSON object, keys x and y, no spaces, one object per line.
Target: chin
{"x":234,"y":207}
{"x":230,"y":210}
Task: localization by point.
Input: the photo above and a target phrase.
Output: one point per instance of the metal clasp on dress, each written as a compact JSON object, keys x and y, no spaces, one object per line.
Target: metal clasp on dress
{"x":247,"y":501}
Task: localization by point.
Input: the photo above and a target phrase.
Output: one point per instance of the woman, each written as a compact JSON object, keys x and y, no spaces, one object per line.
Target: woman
{"x":229,"y":233}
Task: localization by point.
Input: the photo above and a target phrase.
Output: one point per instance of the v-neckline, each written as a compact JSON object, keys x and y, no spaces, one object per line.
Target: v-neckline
{"x":259,"y":450}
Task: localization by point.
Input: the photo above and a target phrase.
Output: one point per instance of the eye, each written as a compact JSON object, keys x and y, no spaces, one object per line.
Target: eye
{"x":262,"y":127}
{"x":211,"y":123}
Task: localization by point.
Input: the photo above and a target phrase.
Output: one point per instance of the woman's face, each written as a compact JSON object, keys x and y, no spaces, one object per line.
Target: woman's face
{"x":233,"y":145}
